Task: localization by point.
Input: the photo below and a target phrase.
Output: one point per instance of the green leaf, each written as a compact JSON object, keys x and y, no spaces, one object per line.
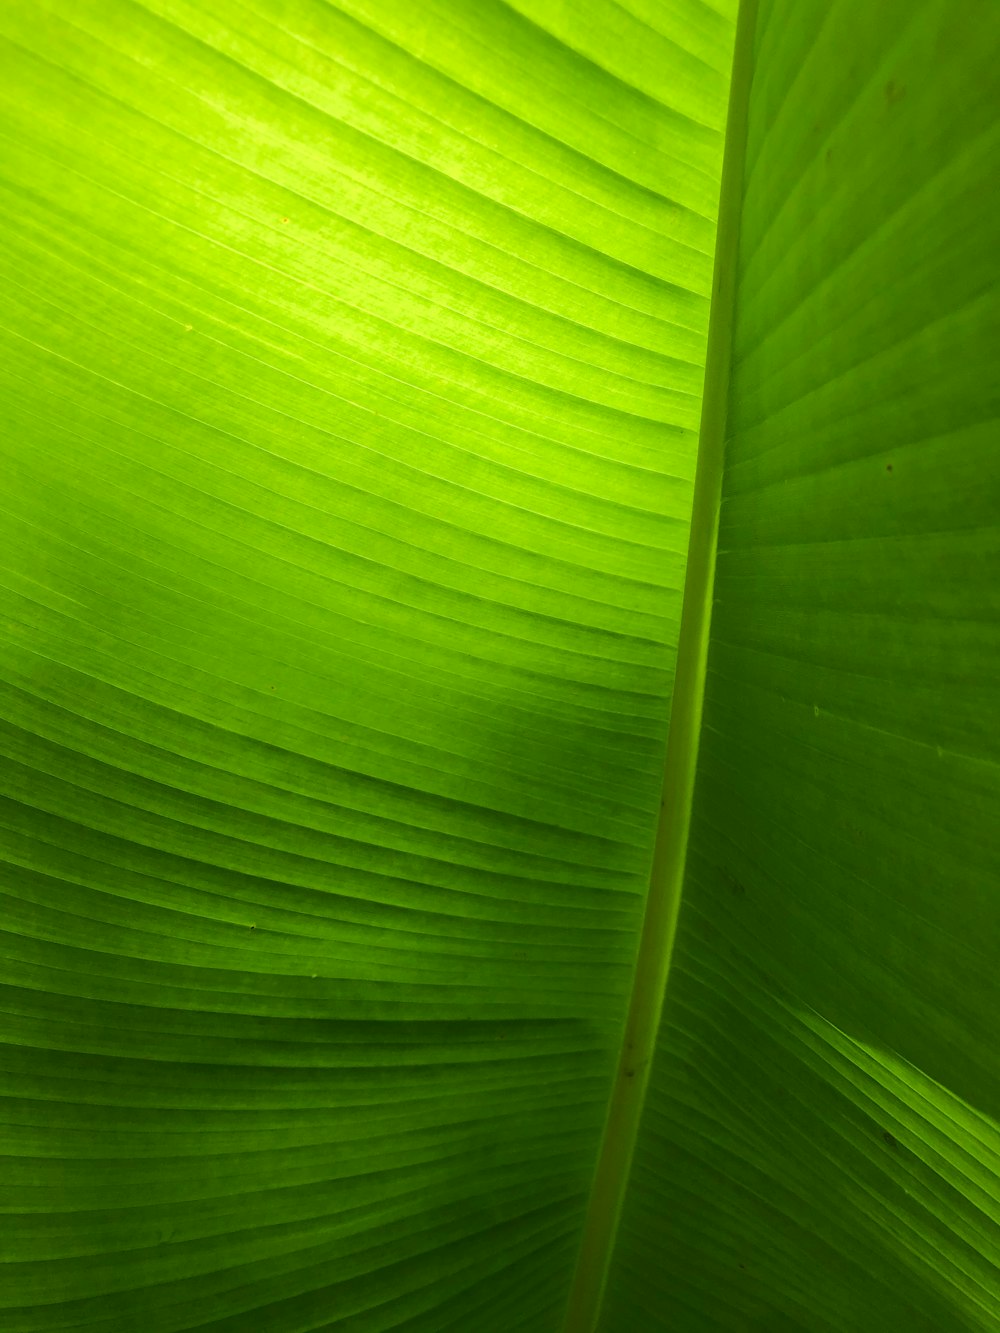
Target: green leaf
{"x":354,"y":358}
{"x":821,"y":1142}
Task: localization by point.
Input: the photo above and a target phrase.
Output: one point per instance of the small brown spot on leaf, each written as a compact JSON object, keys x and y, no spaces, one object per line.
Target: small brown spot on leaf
{"x":284,"y":219}
{"x":894,"y":92}
{"x":888,"y":467}
{"x":889,"y":1139}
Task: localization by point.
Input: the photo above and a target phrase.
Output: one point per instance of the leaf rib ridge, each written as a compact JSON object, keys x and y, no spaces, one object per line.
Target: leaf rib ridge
{"x":655,"y":948}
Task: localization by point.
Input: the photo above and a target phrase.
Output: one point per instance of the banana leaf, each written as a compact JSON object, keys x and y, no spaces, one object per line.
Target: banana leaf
{"x":500,"y":580}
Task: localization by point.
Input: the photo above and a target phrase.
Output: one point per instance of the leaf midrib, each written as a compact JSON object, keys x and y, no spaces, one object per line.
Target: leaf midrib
{"x":670,"y":852}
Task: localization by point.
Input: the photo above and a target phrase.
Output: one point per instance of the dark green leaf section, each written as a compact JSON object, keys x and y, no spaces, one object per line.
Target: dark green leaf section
{"x":821,"y":1145}
{"x":350,"y":369}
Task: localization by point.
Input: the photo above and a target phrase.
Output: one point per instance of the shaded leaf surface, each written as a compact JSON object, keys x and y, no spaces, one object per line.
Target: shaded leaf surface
{"x":822,"y":1136}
